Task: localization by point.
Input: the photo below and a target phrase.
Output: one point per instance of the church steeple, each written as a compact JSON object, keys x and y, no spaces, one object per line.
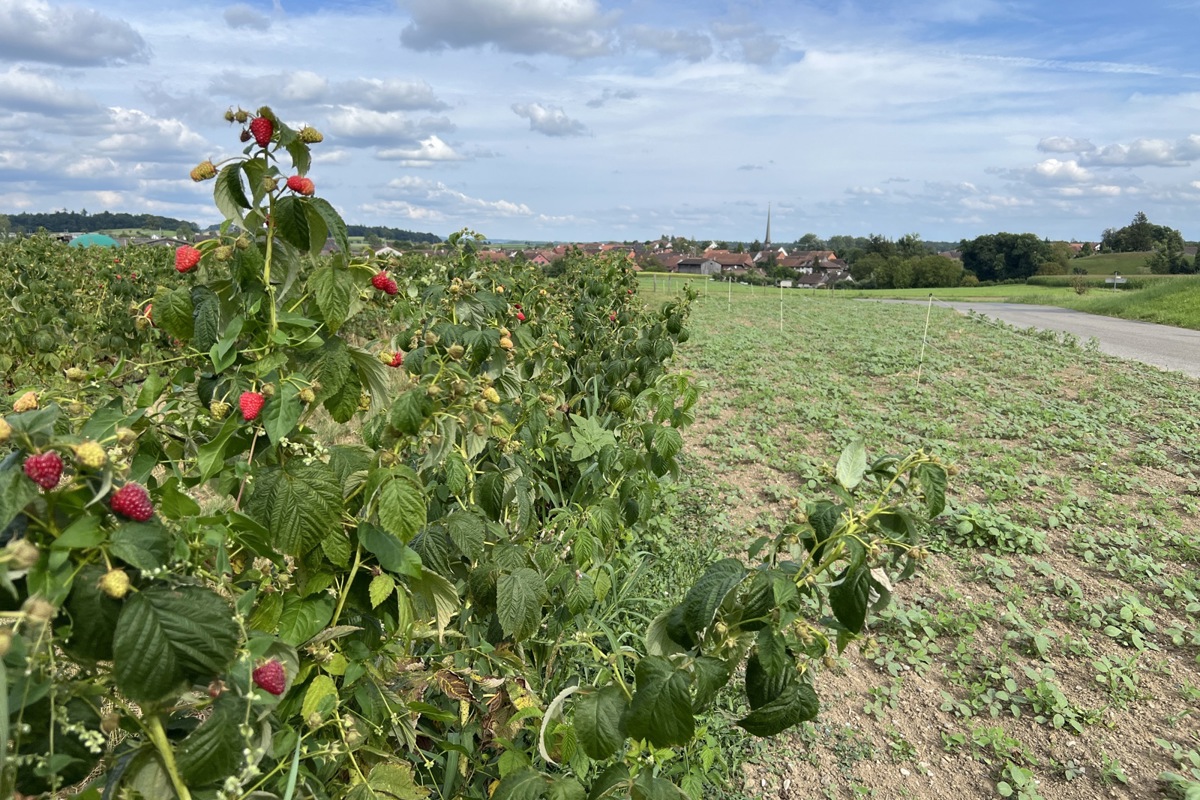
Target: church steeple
{"x":767,"y":239}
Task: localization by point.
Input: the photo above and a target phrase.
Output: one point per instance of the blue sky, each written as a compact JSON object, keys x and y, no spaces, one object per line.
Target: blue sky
{"x":600,"y":119}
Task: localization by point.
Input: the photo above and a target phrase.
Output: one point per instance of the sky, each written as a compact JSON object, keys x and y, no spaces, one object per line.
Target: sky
{"x":581,"y":120}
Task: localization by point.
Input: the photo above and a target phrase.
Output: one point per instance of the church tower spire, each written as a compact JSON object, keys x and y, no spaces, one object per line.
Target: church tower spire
{"x":767,"y":239}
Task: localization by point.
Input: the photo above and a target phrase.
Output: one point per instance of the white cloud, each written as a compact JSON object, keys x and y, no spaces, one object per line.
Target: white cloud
{"x":243,"y":16}
{"x":427,"y":153}
{"x":573,"y":28}
{"x":611,"y":94}
{"x":1065,"y":144}
{"x":300,"y":86}
{"x":383,"y":128}
{"x":1147,"y":152}
{"x":134,"y":134}
{"x":685,"y":45}
{"x":865,"y":190}
{"x":1054,"y":171}
{"x":35,"y":30}
{"x":24,"y":90}
{"x":550,"y":120}
{"x":436,"y":193}
{"x":388,"y":94}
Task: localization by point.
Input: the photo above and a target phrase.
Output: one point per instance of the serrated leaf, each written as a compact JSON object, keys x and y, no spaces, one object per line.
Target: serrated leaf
{"x":333,"y":290}
{"x":519,"y":597}
{"x":381,"y":588}
{"x":524,"y":784}
{"x":434,"y":597}
{"x":333,"y":221}
{"x":711,"y":675}
{"x":467,"y":532}
{"x":173,"y":313}
{"x":330,"y":366}
{"x":321,"y":698}
{"x":710,"y":590}
{"x":597,"y":721}
{"x":206,"y":318}
{"x":304,"y":617}
{"x":609,"y":782}
{"x":566,"y":789}
{"x":933,"y":485}
{"x":391,"y":553}
{"x":228,"y":192}
{"x":299,"y":504}
{"x":649,"y":787}
{"x":213,"y":751}
{"x":410,"y":410}
{"x":402,"y":504}
{"x":169,"y":637}
{"x":210,"y":456}
{"x":798,"y":703}
{"x":661,"y":709}
{"x":93,"y":616}
{"x":396,"y":780}
{"x":267,"y":613}
{"x":764,"y":684}
{"x":144,"y":545}
{"x":852,"y":465}
{"x":318,"y":231}
{"x":849,"y":598}
{"x":290,"y":221}
{"x":282,"y":412}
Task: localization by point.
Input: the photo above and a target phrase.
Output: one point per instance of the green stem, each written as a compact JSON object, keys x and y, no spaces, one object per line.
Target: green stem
{"x":272,"y":325}
{"x":159,"y":737}
{"x":346,"y":586}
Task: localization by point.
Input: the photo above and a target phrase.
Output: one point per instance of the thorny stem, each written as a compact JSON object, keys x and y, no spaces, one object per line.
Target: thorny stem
{"x":158,"y":736}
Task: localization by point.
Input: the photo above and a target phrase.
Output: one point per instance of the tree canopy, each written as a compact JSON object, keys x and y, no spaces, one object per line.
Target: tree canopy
{"x":1004,"y":256}
{"x":1140,"y":235}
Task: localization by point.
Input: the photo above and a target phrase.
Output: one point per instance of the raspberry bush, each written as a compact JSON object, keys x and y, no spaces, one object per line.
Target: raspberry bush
{"x":430,"y":601}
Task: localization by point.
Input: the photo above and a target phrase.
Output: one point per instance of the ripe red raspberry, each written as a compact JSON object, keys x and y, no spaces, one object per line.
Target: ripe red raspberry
{"x":380,"y":280}
{"x":262,"y":129}
{"x":395,"y":359}
{"x":251,"y":403}
{"x":521,"y":316}
{"x":270,"y":677}
{"x":301,"y":185}
{"x":44,"y":469}
{"x":132,"y":501}
{"x":186,"y":258}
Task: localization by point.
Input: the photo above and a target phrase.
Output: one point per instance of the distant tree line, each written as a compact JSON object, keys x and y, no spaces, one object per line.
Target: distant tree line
{"x":384,"y":233}
{"x":83,"y":222}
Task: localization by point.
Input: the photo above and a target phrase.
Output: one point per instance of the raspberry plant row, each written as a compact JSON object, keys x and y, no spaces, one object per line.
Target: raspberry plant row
{"x":426,"y":605}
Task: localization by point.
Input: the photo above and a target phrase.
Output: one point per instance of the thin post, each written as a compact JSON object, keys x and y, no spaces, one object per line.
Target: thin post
{"x":781,"y":306}
{"x":729,"y":295}
{"x":924,"y":338}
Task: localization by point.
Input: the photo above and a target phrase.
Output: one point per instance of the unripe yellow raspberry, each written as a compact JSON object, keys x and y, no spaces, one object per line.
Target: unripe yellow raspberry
{"x":115,"y":583}
{"x":506,"y":343}
{"x":90,"y":455}
{"x":126,"y":435}
{"x":307,"y":395}
{"x":456,"y":351}
{"x":5,"y":430}
{"x":219,"y":409}
{"x":26,"y":402}
{"x":310,"y":135}
{"x":364,"y":402}
{"x":267,"y":390}
{"x":203,"y":171}
{"x":75,"y":374}
{"x":491,"y":395}
{"x":223,"y":253}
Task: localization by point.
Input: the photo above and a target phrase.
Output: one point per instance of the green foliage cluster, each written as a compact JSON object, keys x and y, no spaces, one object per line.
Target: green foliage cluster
{"x":73,"y":307}
{"x":436,"y":593}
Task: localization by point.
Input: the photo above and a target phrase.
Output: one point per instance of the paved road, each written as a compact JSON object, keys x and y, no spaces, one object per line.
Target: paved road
{"x":1160,"y":345}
